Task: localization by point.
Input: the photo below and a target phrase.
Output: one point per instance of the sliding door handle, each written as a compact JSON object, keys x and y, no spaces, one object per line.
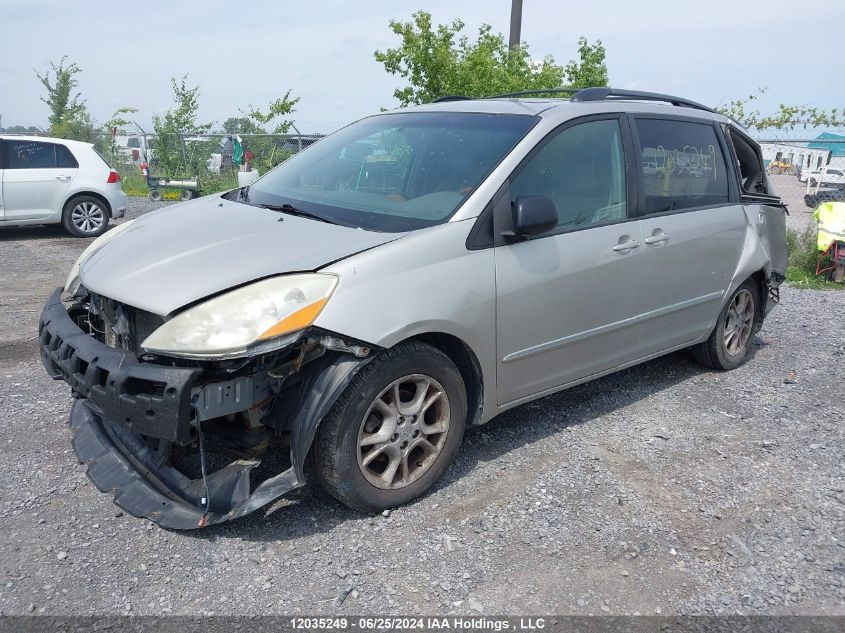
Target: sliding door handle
{"x":656,"y":239}
{"x":626,"y":246}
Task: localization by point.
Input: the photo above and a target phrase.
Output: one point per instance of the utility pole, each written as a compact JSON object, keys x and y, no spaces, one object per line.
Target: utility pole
{"x":516,"y":23}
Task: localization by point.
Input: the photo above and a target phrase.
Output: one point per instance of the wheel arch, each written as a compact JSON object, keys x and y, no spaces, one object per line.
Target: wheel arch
{"x":91,"y":194}
{"x":468,"y":365}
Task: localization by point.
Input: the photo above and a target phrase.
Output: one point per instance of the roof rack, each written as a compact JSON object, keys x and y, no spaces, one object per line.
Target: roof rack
{"x":525,"y":93}
{"x":593,"y":94}
{"x":452,"y":98}
{"x":605,"y":94}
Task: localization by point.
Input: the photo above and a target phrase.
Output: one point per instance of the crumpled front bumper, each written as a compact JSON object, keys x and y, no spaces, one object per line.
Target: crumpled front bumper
{"x":119,"y":463}
{"x":151,"y":399}
{"x":120,"y":401}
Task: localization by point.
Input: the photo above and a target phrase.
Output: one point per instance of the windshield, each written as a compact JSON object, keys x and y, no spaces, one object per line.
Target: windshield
{"x":395,"y":172}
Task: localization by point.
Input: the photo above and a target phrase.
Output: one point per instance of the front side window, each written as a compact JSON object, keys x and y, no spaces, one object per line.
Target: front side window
{"x":582,"y":169}
{"x":21,"y":154}
{"x":681,"y":165}
{"x":394,"y":172}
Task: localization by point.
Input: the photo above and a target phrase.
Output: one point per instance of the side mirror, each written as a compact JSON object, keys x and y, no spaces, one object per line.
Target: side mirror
{"x":532,"y":215}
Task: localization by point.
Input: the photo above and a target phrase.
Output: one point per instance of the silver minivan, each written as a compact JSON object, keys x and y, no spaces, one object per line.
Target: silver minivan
{"x":345,"y":317}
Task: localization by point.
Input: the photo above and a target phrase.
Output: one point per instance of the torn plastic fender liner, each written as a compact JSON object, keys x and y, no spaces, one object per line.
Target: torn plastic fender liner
{"x":119,"y":462}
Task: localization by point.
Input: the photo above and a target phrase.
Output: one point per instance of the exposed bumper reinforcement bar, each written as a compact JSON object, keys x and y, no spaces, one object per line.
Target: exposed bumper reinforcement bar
{"x":152,"y":399}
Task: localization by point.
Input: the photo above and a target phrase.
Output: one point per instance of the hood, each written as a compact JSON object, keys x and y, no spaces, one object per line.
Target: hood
{"x":180,"y":254}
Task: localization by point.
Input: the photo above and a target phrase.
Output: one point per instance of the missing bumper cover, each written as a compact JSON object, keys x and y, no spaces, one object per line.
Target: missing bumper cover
{"x":118,"y":447}
{"x":121,"y":463}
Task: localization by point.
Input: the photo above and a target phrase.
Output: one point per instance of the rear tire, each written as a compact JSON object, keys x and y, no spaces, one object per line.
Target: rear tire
{"x":731,"y":341}
{"x":155,"y":195}
{"x":85,"y":216}
{"x":421,"y":434}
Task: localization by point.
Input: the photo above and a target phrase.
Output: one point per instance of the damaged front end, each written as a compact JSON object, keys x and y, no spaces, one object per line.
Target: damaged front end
{"x":189,"y":443}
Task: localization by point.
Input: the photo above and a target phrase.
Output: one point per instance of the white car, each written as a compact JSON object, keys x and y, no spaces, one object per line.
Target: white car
{"x":827,"y":177}
{"x":134,"y":149}
{"x":57,"y":181}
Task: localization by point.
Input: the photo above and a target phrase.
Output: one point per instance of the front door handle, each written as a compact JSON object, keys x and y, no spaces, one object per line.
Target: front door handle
{"x":656,"y":239}
{"x":621,"y":247}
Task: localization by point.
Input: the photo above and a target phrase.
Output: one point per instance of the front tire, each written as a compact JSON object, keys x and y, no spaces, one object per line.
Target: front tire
{"x":731,"y":341}
{"x":85,"y":216}
{"x":394,"y":430}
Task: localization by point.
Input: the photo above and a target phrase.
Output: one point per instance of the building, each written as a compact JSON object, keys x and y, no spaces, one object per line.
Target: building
{"x":835,"y":146}
{"x":827,"y":150}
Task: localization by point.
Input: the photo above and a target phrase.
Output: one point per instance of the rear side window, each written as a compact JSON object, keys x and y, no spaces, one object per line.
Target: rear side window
{"x":64,"y":158}
{"x":21,"y":154}
{"x":681,"y":165}
{"x":752,"y":176}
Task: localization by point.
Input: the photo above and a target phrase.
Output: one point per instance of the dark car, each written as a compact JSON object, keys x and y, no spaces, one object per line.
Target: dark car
{"x":835,"y":194}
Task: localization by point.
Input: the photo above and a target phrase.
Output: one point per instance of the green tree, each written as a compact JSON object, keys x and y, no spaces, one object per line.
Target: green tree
{"x":590,"y":70}
{"x":69,"y":117}
{"x":275,"y":109}
{"x":240,"y":125}
{"x":22,"y":129}
{"x":171,"y":152}
{"x":785,"y":117}
{"x":117,"y":121}
{"x":441,"y":60}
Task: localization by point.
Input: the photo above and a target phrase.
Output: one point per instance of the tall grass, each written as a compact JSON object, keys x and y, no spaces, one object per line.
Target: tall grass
{"x":803,"y":257}
{"x":135,"y":185}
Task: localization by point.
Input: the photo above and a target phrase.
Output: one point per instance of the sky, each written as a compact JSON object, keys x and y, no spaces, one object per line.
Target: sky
{"x":253,"y":51}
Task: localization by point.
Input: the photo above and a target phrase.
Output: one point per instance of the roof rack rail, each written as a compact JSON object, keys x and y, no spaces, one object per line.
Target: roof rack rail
{"x":525,"y":93}
{"x":452,"y":98}
{"x":604,"y":94}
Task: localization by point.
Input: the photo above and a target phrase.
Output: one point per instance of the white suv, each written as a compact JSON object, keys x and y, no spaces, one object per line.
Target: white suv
{"x":52,"y":181}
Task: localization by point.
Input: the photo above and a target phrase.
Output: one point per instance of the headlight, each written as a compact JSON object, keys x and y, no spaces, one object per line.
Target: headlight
{"x":73,"y":278}
{"x":259,"y":317}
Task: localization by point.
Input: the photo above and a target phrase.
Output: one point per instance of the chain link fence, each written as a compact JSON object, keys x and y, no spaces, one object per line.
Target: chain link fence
{"x":212,"y":160}
{"x":805,"y":169}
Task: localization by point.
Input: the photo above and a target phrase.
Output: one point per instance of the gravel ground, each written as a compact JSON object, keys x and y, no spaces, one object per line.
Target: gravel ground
{"x":662,"y":489}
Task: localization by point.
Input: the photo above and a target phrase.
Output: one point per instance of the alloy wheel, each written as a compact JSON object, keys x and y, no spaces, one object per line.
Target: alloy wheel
{"x":403,"y":431}
{"x":739,"y":322}
{"x":88,"y":217}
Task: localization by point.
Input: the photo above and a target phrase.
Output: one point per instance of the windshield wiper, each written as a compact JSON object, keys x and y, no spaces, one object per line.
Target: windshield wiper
{"x":292,"y":210}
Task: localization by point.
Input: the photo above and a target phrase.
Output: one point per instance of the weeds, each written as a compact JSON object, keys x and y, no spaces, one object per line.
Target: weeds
{"x":135,"y":185}
{"x":803,"y":257}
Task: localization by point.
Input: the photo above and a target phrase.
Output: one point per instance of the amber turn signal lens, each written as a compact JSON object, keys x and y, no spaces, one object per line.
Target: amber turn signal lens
{"x":302,"y":318}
